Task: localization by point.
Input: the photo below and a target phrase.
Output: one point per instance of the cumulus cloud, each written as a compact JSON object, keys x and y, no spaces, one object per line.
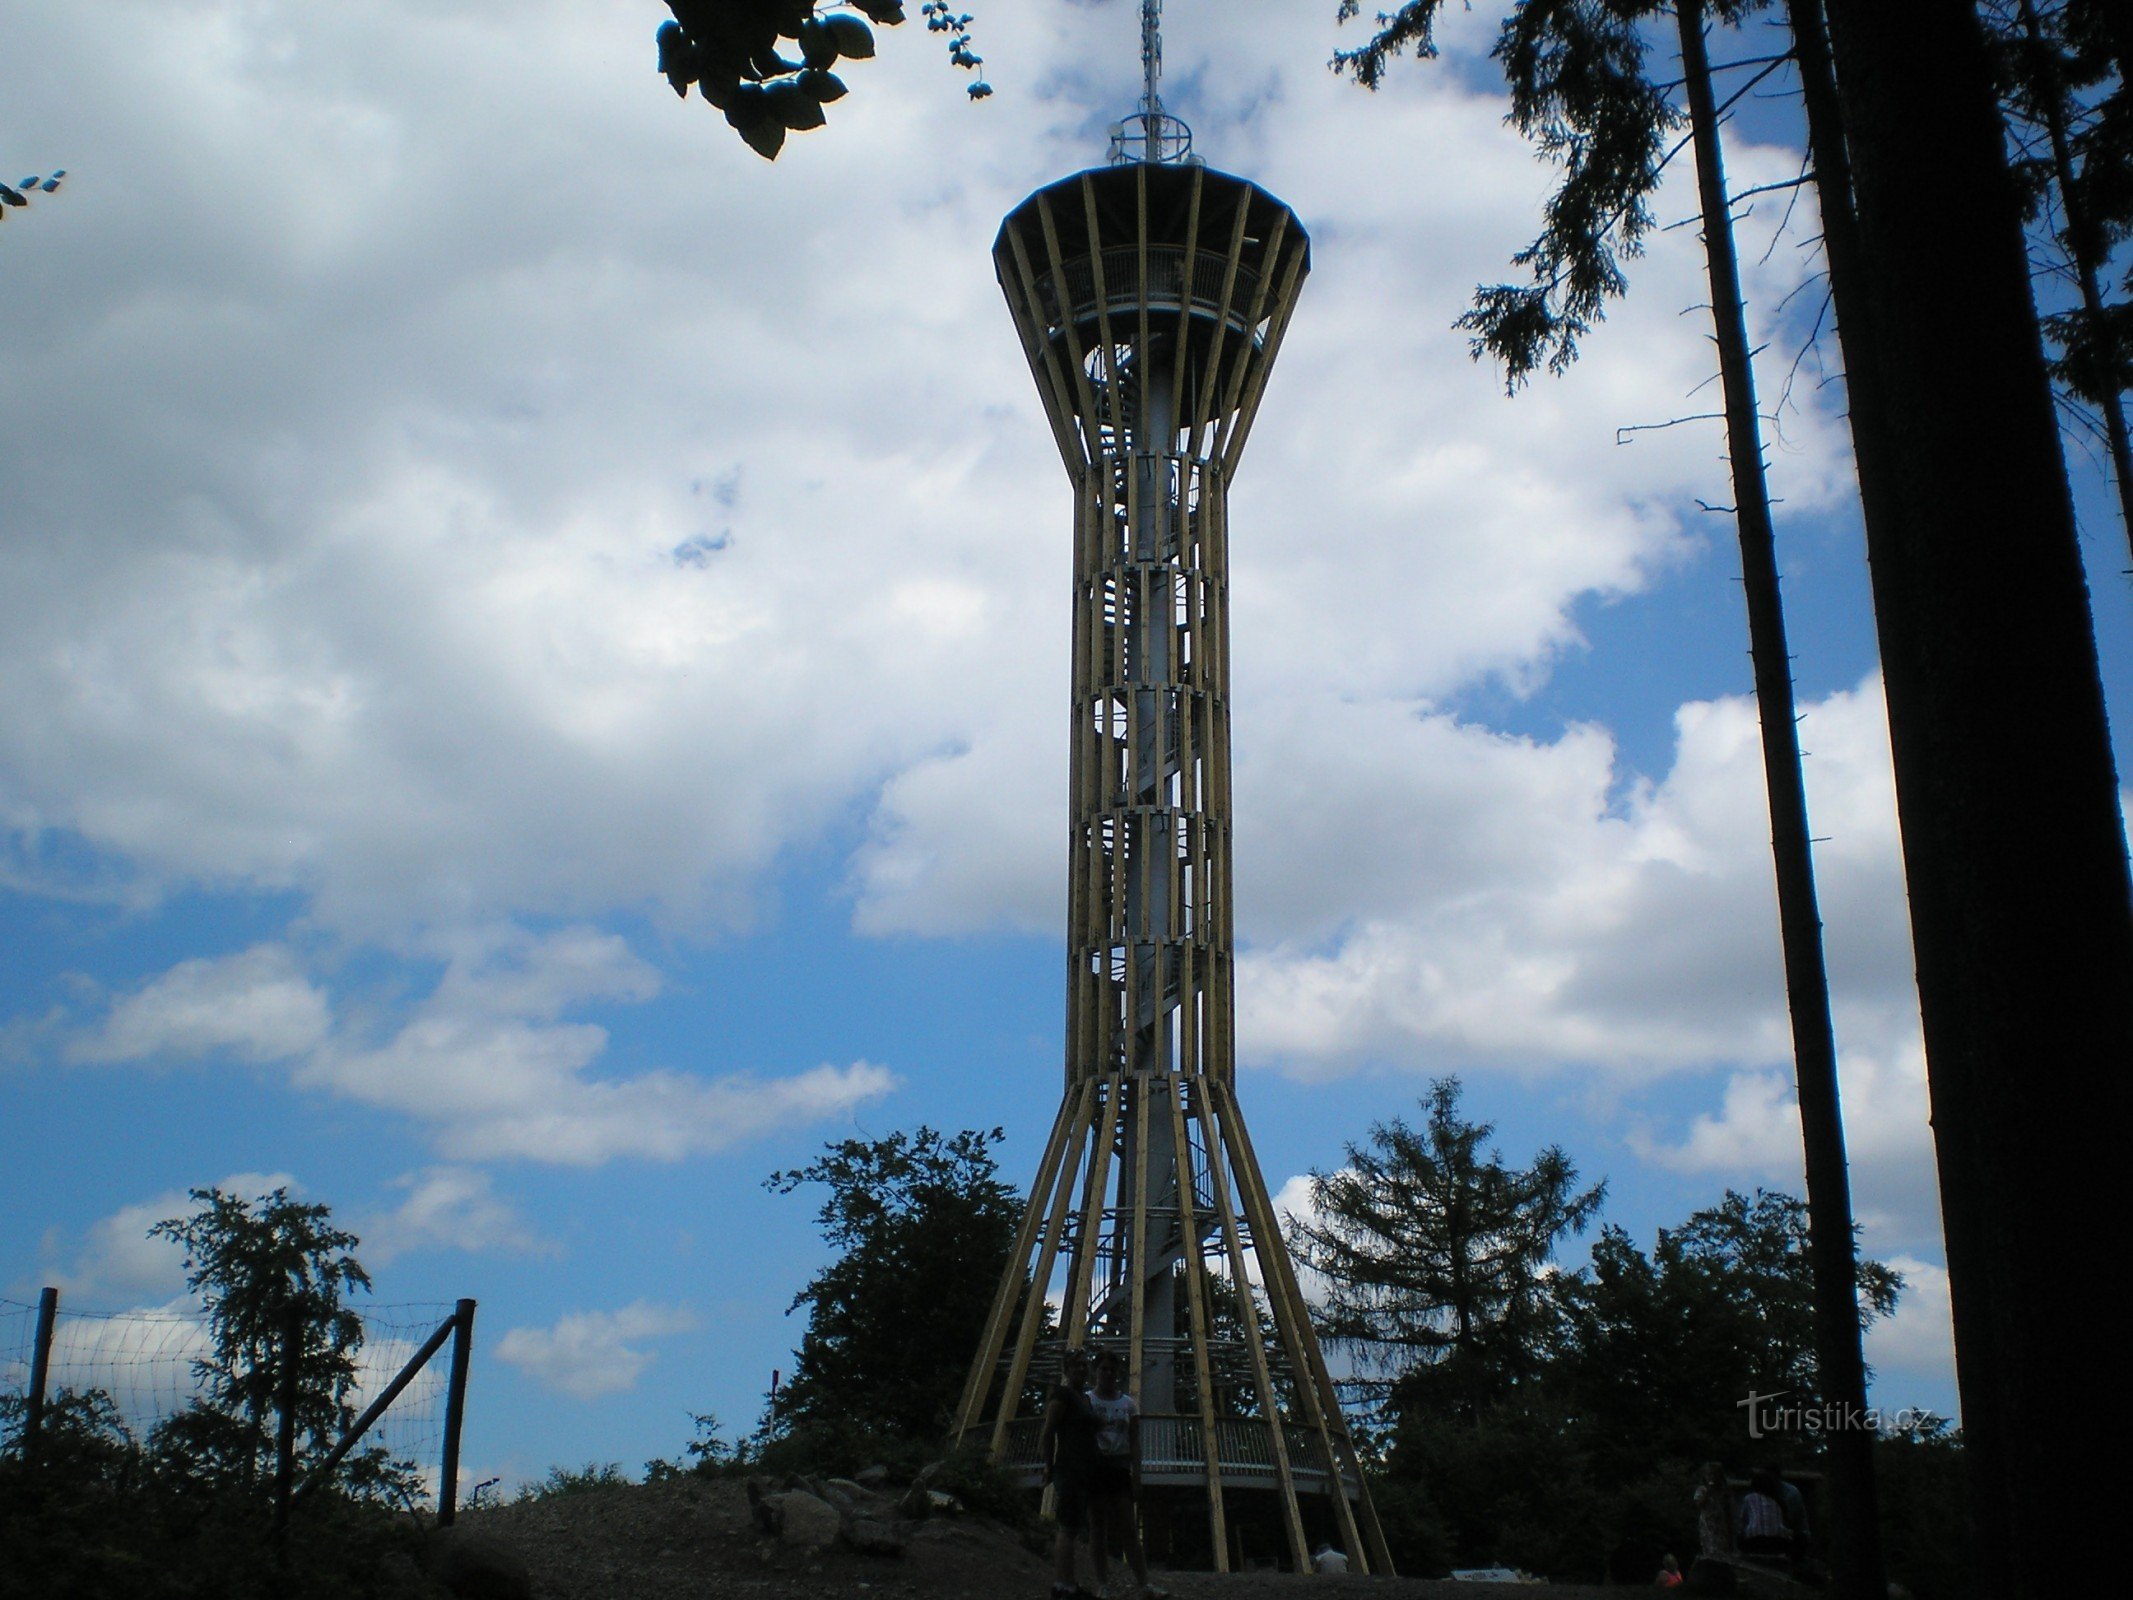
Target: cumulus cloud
{"x":1913,"y":1351}
{"x":1754,"y":1135}
{"x":143,"y":1359}
{"x":588,"y":1354}
{"x":310,"y":594}
{"x":1515,"y":908}
{"x":115,"y":1262}
{"x":256,"y":1006}
{"x":448,"y":1208}
{"x":407,"y":519}
{"x":489,"y":1061}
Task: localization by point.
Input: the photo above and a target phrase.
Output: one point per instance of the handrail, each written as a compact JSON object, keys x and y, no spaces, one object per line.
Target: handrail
{"x":1171,"y":1448}
{"x":1165,"y":287}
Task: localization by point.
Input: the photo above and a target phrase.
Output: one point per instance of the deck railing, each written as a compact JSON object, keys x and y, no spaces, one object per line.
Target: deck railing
{"x":1173,"y":1452}
{"x":1168,"y":288}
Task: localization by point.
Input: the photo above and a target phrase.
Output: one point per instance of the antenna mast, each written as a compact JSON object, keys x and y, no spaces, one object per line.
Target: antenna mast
{"x":1151,"y":134}
{"x":1151,"y":73}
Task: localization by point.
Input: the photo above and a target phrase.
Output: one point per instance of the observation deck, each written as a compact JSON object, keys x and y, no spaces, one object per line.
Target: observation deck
{"x":1123,"y":277}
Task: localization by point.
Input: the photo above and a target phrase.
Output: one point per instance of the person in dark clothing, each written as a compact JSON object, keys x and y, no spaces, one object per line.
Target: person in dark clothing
{"x":1764,"y":1538}
{"x":1067,"y":1446}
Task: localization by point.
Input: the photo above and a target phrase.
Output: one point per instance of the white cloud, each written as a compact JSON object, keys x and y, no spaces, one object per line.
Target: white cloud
{"x":256,"y":1006}
{"x":412,"y":518}
{"x":588,"y":1354}
{"x":448,"y":1208}
{"x":1913,"y":1352}
{"x":445,"y":563}
{"x":488,"y":1060}
{"x":1293,"y":1200}
{"x":117,"y":1258}
{"x":143,"y":1358}
{"x":1454,"y":898}
{"x":116,"y":1262}
{"x":1755,"y":1133}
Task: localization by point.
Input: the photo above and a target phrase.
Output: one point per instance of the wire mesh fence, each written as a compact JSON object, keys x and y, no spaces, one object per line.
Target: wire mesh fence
{"x":150,"y":1364}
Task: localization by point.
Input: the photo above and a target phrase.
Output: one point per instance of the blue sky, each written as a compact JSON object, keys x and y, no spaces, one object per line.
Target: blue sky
{"x":533,"y":650}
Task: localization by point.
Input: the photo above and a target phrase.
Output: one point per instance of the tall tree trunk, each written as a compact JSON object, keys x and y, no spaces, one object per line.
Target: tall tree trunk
{"x":2014,"y":852}
{"x":1840,"y":1364}
{"x":2086,"y":244}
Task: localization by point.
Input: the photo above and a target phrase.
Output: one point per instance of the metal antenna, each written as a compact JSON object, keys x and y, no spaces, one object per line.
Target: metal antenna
{"x":1151,"y":134}
{"x":1151,"y":73}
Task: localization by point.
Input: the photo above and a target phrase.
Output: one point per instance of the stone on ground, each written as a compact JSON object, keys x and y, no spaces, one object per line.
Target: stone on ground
{"x":806,"y":1522}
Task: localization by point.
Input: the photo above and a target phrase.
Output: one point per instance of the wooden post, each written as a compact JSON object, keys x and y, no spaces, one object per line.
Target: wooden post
{"x":455,"y":1406}
{"x":1202,"y":1328}
{"x":40,"y":1371}
{"x":979,"y":1384}
{"x":1040,"y":1280}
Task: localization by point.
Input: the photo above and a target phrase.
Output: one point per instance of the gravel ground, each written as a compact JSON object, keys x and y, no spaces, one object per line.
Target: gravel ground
{"x":693,"y":1540}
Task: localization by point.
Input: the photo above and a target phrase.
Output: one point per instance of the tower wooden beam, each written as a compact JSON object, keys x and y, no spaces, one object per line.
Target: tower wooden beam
{"x":1150,"y":299}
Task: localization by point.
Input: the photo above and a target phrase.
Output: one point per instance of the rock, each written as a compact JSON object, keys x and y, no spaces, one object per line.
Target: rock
{"x":927,"y":1473}
{"x":872,"y":1477}
{"x":763,"y":1507}
{"x":854,"y":1492}
{"x":917,"y":1503}
{"x":847,"y":1504}
{"x":940,"y":1500}
{"x":475,"y":1566}
{"x":807,"y":1522}
{"x":876,"y":1536}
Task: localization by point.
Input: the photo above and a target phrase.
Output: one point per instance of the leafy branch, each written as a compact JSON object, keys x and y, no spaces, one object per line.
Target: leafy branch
{"x":734,"y":52}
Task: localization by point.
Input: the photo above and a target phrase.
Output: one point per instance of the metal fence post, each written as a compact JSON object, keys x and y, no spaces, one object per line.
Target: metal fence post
{"x":455,"y":1404}
{"x":40,"y":1367}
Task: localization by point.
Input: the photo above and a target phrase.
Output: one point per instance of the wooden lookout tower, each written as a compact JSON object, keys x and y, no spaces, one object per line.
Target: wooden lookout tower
{"x":1151,"y":296}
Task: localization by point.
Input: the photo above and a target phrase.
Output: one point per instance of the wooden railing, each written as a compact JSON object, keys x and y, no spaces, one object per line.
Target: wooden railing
{"x":1173,"y":1452}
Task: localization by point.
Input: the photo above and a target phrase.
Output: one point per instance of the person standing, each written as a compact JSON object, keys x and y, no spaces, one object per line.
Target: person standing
{"x":1714,"y":1513}
{"x":1764,"y":1537}
{"x":1114,"y":1485}
{"x":1066,"y":1444}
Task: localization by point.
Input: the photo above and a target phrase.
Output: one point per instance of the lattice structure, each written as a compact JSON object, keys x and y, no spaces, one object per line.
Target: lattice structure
{"x":1151,"y":299}
{"x":144,"y":1361}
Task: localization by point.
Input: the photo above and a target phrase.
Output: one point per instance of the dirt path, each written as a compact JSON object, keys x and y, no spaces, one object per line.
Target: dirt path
{"x":694,"y":1540}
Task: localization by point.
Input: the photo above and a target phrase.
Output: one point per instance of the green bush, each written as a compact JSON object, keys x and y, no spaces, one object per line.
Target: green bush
{"x":969,"y":1475}
{"x":593,"y":1476}
{"x":147,"y":1537}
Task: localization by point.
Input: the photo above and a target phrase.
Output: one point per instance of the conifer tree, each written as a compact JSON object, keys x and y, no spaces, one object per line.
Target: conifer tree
{"x":1434,"y":1253}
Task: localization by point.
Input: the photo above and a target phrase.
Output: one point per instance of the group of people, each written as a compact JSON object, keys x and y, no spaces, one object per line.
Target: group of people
{"x":1768,"y":1526}
{"x":1772,"y":1522}
{"x":1091,"y":1447}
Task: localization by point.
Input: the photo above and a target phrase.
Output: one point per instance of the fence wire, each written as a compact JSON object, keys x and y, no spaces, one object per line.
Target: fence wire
{"x":147,"y":1360}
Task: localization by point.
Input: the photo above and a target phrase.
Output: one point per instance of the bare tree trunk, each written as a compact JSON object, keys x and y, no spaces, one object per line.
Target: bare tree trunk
{"x":1841,"y":1367}
{"x":2014,"y":851}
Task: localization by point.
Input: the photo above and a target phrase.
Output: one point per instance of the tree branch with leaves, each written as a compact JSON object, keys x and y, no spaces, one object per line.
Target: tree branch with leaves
{"x":734,"y":53}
